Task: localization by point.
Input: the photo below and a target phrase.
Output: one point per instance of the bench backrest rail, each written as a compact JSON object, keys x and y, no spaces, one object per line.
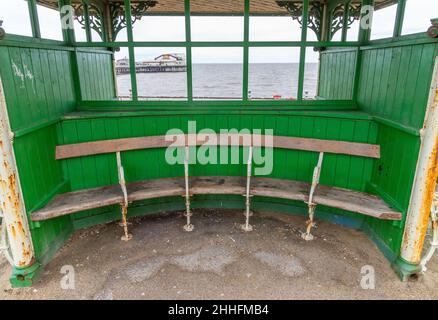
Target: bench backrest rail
{"x":232,"y":140}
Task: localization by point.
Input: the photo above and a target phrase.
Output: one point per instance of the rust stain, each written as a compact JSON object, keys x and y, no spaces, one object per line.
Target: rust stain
{"x":21,"y":229}
{"x":26,"y":252}
{"x":13,"y":232}
{"x":23,"y":263}
{"x":13,"y":196}
{"x":11,"y":181}
{"x":428,"y":195}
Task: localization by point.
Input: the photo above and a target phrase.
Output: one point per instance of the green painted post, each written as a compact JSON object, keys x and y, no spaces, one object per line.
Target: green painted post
{"x":33,"y":12}
{"x":364,"y":37}
{"x":303,"y":50}
{"x":401,"y":6}
{"x":345,"y":20}
{"x":68,"y":34}
{"x":105,"y":30}
{"x":87,"y":21}
{"x":188,"y":50}
{"x":69,"y":38}
{"x":128,"y":18}
{"x":365,"y":34}
{"x":245,"y":84}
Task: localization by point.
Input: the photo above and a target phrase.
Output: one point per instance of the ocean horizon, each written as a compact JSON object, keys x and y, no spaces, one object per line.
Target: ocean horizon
{"x":224,"y":81}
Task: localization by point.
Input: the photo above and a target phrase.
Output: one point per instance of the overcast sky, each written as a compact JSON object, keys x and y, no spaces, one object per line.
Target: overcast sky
{"x":418,"y":14}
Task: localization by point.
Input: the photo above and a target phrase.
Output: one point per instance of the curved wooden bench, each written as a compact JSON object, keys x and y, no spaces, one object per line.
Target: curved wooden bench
{"x":311,"y":193}
{"x":265,"y":187}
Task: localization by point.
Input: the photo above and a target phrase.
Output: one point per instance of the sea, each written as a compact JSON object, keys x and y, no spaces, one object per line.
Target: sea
{"x":224,"y":81}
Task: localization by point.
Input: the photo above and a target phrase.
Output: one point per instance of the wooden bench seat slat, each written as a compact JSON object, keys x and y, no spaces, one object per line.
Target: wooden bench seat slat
{"x":292,"y":143}
{"x":157,"y":188}
{"x":354,"y":201}
{"x":278,"y":188}
{"x":218,"y":185}
{"x":71,"y":202}
{"x":267,"y":187}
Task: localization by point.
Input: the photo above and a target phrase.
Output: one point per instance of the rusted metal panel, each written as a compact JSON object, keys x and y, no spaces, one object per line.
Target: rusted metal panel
{"x":11,"y":204}
{"x":425,"y":181}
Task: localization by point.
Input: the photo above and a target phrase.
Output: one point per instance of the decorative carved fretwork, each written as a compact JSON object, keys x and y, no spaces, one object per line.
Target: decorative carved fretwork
{"x":314,"y":22}
{"x":96,"y":20}
{"x":337,"y":17}
{"x":316,"y":8}
{"x":295,"y":9}
{"x":95,"y":17}
{"x":118,"y":18}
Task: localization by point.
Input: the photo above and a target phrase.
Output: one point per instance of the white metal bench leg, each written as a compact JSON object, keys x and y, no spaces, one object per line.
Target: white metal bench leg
{"x":124,"y":206}
{"x":188,"y":227}
{"x":247,"y":227}
{"x":311,"y":205}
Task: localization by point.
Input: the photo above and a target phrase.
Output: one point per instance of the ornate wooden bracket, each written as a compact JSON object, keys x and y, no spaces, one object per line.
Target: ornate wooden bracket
{"x":295,"y":9}
{"x":118,"y":18}
{"x":316,"y":9}
{"x":95,"y":15}
{"x":337,"y":17}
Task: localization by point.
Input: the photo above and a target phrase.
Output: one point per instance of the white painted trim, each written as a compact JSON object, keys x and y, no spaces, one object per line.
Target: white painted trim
{"x":423,"y":187}
{"x":12,"y":204}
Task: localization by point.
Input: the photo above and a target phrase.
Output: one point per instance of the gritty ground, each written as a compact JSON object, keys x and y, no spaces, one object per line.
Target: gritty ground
{"x":219,"y":261}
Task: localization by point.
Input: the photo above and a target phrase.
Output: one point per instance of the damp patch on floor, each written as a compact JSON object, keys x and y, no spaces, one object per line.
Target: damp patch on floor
{"x":289,"y":266}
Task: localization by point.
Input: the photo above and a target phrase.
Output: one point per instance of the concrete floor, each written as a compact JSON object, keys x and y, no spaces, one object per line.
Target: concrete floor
{"x":219,"y":261}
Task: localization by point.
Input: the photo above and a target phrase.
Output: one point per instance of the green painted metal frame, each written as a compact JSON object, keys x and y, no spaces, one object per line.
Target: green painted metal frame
{"x":188,"y":45}
{"x":188,"y":29}
{"x":34,"y":18}
{"x":362,"y":43}
{"x":69,"y":43}
{"x":245,"y":82}
{"x":401,"y":5}
{"x":87,"y":21}
{"x":131,"y":49}
{"x":345,"y":17}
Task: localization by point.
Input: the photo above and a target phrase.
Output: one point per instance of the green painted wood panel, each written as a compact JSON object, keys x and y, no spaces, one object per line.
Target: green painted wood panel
{"x":38,"y":87}
{"x":393,"y":176}
{"x":41,"y":178}
{"x":336,"y":74}
{"x":394,"y":85}
{"x":394,"y":82}
{"x":96,"y":76}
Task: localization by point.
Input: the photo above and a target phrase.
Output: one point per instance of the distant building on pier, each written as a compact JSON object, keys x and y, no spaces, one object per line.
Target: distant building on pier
{"x":168,"y":62}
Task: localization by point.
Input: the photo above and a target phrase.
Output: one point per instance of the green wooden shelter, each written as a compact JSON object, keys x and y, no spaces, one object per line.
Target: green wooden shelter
{"x":76,"y":152}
